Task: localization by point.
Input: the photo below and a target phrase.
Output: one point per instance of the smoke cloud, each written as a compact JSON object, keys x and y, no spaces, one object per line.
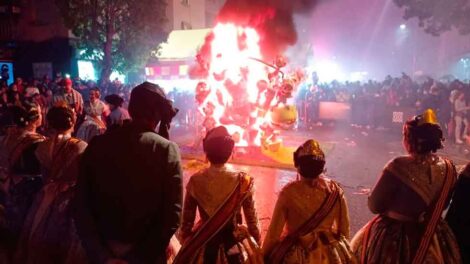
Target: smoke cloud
{"x":273,"y":19}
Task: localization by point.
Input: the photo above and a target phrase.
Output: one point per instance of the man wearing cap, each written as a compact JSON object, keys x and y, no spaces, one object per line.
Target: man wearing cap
{"x":69,"y":95}
{"x":129,"y":191}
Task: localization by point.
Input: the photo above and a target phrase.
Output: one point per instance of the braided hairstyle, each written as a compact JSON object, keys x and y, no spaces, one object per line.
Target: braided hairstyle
{"x":61,"y":117}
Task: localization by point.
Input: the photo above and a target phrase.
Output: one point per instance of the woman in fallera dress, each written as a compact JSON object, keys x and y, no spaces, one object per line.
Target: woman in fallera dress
{"x":409,"y":199}
{"x":310,"y":223}
{"x":22,"y":178}
{"x":219,"y":194}
{"x":49,"y":233}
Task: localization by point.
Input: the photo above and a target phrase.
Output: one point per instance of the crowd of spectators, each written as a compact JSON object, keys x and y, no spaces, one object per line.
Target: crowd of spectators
{"x":372,"y":103}
{"x":42,"y":90}
{"x":45,"y":91}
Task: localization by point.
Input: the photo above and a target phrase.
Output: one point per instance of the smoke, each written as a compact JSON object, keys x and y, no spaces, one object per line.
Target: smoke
{"x":273,"y":19}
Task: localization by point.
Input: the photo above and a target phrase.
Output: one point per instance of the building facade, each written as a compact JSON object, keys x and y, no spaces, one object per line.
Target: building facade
{"x":10,"y":12}
{"x":34,"y":38}
{"x":192,"y":14}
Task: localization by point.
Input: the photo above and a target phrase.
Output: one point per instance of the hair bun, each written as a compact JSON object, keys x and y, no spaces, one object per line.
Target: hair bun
{"x":424,"y":138}
{"x":61,"y":118}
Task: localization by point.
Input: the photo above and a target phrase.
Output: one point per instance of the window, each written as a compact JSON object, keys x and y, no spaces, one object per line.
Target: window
{"x":185,"y":2}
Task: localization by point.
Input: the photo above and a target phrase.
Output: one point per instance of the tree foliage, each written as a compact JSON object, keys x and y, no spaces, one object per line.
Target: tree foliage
{"x":438,"y":16}
{"x":116,"y":34}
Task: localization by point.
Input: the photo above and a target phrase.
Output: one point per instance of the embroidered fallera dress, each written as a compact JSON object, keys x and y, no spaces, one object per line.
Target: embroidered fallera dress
{"x":297,"y":203}
{"x":49,"y":234}
{"x":22,"y":183}
{"x":402,"y":198}
{"x":206,"y":191}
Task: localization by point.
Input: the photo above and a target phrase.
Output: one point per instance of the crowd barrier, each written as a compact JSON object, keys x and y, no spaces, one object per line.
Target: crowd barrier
{"x":377,"y":115}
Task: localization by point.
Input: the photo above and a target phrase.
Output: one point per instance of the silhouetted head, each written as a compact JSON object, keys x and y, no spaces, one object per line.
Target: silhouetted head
{"x":218,"y":145}
{"x":149,"y":105}
{"x":61,"y":118}
{"x":423,"y":134}
{"x":309,"y":159}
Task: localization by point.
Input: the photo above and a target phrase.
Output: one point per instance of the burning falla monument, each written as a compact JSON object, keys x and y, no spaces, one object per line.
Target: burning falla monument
{"x":244,"y":84}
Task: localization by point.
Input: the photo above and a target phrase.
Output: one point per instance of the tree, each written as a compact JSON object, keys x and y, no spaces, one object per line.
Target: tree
{"x":438,"y":16}
{"x":117,"y":35}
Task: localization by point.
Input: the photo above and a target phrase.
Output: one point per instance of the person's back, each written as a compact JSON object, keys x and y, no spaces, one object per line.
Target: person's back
{"x":48,"y":234}
{"x":22,"y":174}
{"x":301,"y":200}
{"x":219,"y":194}
{"x":410,"y":185}
{"x":313,"y":213}
{"x":409,"y":199}
{"x":130,"y":180}
{"x":201,"y":187}
{"x":129,"y":190}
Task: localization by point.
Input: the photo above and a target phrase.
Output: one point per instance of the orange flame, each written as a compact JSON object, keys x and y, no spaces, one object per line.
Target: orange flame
{"x":234,"y":73}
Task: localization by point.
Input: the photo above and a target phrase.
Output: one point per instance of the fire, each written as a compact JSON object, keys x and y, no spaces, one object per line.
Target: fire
{"x":240,"y":89}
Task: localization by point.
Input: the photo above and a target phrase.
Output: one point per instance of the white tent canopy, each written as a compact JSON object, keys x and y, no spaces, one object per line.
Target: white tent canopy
{"x":183,"y":44}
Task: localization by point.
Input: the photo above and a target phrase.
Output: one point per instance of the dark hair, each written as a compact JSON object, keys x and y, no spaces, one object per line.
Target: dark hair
{"x":95,"y":89}
{"x":218,"y":150}
{"x":114,"y":99}
{"x":61,"y":118}
{"x":424,"y":138}
{"x":24,"y":115}
{"x":17,"y":115}
{"x":310,"y":167}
